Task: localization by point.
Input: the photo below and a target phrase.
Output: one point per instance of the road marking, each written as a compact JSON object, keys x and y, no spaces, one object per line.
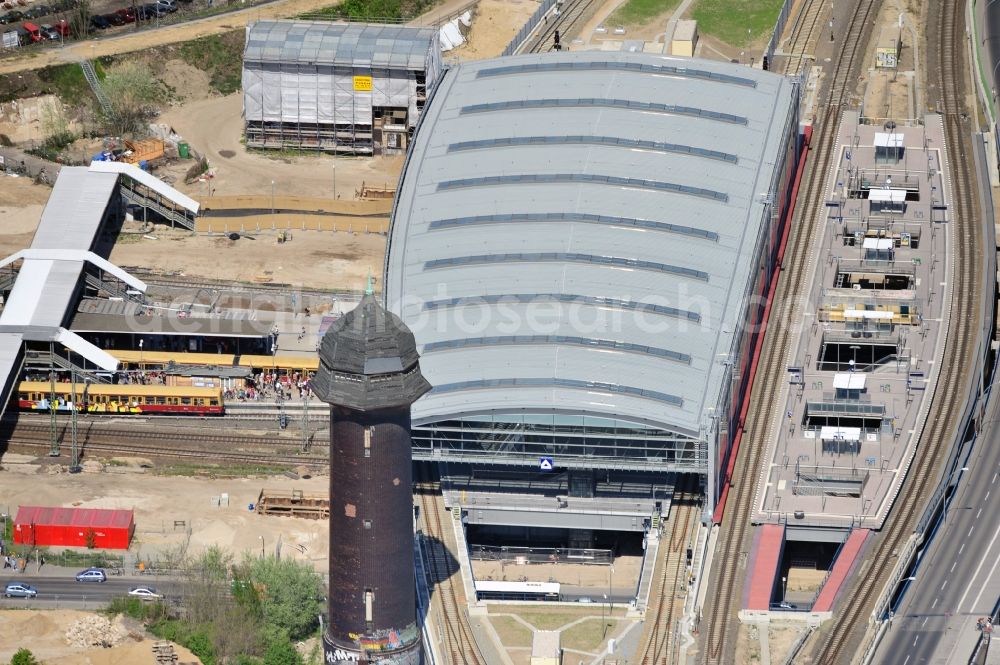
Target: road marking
{"x":955,"y":563}
{"x":971,"y":529}
{"x":906,"y":661}
{"x":961,"y":548}
{"x":915,"y":640}
{"x":987,"y":495}
{"x":979,"y":513}
{"x":944,"y":584}
{"x":994,"y":478}
{"x":982,"y":560}
{"x":934,"y":604}
{"x":925,"y":622}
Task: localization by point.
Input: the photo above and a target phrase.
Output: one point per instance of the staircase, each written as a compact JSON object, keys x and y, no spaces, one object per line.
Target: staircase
{"x":180,"y":218}
{"x":95,"y":85}
{"x":43,"y":360}
{"x":113,"y":289}
{"x":646,"y":575}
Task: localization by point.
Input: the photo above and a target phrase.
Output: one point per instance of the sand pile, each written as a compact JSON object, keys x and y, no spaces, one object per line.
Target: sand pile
{"x":95,"y":631}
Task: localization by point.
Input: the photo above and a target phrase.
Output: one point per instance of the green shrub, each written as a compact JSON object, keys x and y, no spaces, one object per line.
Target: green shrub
{"x":200,"y":645}
{"x":23,"y":657}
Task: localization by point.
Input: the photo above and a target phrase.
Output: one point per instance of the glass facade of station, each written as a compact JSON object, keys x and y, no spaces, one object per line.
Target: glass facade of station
{"x":571,"y":440}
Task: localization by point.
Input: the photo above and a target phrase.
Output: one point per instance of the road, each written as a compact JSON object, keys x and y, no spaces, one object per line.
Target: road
{"x":65,"y":591}
{"x":128,"y":42}
{"x":957,"y":581}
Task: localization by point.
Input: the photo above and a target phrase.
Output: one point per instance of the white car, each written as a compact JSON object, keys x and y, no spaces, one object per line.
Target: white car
{"x":144,"y":592}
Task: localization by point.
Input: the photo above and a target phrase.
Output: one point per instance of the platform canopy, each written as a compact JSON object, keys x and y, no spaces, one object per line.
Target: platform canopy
{"x":840,"y":434}
{"x":883,"y":140}
{"x":847,"y":381}
{"x":887,"y":195}
{"x":866,"y":314}
{"x":878,"y":243}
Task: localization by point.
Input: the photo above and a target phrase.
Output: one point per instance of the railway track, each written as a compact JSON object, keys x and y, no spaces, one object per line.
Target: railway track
{"x":804,"y":36}
{"x":162,"y":444}
{"x":659,"y":645}
{"x":948,"y":46}
{"x":725,"y":590}
{"x":457,"y":640}
{"x":573,"y":15}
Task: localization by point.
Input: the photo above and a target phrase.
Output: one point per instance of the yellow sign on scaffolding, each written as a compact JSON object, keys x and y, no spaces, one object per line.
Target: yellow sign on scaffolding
{"x":362,"y":84}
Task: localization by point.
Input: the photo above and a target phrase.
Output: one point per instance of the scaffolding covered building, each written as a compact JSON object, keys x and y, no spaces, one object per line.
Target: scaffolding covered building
{"x":345,"y":88}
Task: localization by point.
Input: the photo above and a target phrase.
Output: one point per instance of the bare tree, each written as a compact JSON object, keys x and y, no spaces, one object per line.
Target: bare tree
{"x":79,"y":18}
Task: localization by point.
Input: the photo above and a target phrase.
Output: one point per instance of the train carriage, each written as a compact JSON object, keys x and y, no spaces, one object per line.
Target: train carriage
{"x":121,"y":398}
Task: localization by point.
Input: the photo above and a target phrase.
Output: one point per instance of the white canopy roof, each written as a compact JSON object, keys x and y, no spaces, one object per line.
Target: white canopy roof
{"x":866,"y":314}
{"x":840,"y":433}
{"x":887,"y":195}
{"x":883,"y":140}
{"x":878,"y":243}
{"x":849,"y":381}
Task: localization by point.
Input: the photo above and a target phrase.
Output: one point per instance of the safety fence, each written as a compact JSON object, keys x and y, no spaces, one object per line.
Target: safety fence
{"x":528,"y":27}
{"x":779,"y":28}
{"x":526,"y":555}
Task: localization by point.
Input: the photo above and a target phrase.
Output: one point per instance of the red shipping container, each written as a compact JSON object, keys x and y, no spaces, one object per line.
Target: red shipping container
{"x":73,"y":527}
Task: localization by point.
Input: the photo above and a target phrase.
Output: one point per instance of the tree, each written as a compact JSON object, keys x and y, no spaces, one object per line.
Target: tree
{"x":132,"y":90}
{"x":290,"y":594}
{"x":23,"y":657}
{"x":79,"y":19}
{"x":280,"y":650}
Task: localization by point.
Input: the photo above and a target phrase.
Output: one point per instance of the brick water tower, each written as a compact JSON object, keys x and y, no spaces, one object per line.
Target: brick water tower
{"x":369,"y":374}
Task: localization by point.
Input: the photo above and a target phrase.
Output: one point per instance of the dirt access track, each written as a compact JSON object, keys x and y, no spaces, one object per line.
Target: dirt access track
{"x":182,"y":32}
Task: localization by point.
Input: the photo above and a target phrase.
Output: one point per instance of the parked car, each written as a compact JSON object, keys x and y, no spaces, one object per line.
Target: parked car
{"x":12,"y":17}
{"x":169,"y":5}
{"x":144,"y":592}
{"x":49,"y":33}
{"x":34,"y":32}
{"x":114,"y":18}
{"x":38,"y":11}
{"x":92,"y":575}
{"x":60,"y":28}
{"x":153,"y":10}
{"x":18,"y":590}
{"x":127,"y":14}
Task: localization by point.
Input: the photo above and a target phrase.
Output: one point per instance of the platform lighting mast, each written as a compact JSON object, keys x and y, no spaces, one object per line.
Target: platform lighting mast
{"x":53,"y":438}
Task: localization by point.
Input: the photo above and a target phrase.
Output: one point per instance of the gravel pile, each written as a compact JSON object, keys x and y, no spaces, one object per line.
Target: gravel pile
{"x":95,"y":631}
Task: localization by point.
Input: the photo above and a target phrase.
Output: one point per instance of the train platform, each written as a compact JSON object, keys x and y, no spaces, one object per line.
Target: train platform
{"x":861,"y":372}
{"x":846,"y":560}
{"x":765,"y":557}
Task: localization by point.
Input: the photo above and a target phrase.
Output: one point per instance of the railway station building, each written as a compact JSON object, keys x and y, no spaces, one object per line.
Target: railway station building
{"x":342,"y":88}
{"x":581,"y":244}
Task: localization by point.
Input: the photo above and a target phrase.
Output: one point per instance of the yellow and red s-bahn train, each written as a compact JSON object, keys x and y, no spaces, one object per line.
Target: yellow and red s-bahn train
{"x":164,"y":360}
{"x":121,"y":398}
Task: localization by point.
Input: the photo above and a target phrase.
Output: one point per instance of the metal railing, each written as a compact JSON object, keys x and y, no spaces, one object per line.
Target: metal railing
{"x":528,"y":27}
{"x":519,"y":555}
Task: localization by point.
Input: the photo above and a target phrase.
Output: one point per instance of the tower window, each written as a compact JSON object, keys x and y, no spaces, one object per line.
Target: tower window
{"x":369,"y":603}
{"x":368,"y":524}
{"x":368,"y":440}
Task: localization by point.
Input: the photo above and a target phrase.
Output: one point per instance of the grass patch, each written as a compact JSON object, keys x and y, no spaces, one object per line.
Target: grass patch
{"x":635,"y":12}
{"x":551,"y":619}
{"x":73,"y":559}
{"x":382,"y":10}
{"x":729,"y":20}
{"x":512,"y":632}
{"x":587,"y":635}
{"x":213,"y":471}
{"x":67,"y":83}
{"x":221,"y":56}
